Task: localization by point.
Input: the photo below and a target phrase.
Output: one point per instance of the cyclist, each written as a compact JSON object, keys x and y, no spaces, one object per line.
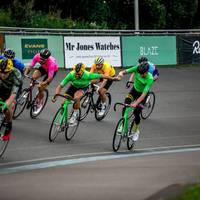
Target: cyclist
{"x":48,"y":68}
{"x":80,"y":80}
{"x":10,"y":54}
{"x":152,"y":69}
{"x":10,"y":80}
{"x":102,"y":67}
{"x":143,"y":81}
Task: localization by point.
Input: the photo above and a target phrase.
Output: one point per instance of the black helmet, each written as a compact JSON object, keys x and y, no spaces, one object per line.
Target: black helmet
{"x":142,"y":59}
{"x":45,"y":53}
{"x":8,"y":53}
{"x":143,"y":67}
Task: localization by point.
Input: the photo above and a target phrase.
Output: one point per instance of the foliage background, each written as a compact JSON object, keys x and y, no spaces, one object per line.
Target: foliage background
{"x":100,"y":14}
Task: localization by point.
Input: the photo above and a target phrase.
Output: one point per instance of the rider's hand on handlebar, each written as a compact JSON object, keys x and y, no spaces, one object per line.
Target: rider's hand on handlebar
{"x":54,"y":99}
{"x":128,"y":84}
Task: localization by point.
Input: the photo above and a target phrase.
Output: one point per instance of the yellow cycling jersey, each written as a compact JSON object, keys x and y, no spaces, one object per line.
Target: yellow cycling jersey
{"x":107,"y":69}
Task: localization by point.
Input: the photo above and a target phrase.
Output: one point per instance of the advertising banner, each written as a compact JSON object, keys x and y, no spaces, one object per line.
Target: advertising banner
{"x":26,"y":46}
{"x":85,"y":49}
{"x":32,"y":46}
{"x":160,"y":50}
{"x":188,"y":49}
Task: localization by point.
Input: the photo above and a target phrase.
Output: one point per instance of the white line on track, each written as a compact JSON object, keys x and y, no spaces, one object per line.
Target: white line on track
{"x":95,"y":157}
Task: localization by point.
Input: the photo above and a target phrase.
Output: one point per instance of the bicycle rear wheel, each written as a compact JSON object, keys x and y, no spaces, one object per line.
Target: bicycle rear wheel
{"x":117,"y":137}
{"x":85,"y":106}
{"x":149,"y":106}
{"x":35,"y":110}
{"x":98,"y":107}
{"x":57,"y":125}
{"x":21,"y":103}
{"x":72,"y":128}
{"x":3,"y":144}
{"x":130,"y":142}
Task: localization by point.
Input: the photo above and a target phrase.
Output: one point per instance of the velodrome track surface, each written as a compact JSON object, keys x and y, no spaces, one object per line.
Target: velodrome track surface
{"x":167,"y":153}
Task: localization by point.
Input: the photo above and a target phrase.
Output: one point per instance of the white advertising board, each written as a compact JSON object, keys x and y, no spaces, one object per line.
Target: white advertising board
{"x":85,"y":49}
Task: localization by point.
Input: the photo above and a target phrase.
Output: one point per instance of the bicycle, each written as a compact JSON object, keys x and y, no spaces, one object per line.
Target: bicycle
{"x":91,"y":102}
{"x":149,"y":103}
{"x":60,"y":122}
{"x":123,"y":128}
{"x":27,"y":99}
{"x":3,"y":144}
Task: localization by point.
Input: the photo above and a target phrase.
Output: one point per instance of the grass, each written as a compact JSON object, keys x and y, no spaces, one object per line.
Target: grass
{"x":190,"y":193}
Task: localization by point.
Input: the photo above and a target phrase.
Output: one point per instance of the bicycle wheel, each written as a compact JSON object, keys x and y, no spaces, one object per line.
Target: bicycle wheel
{"x":85,"y":106}
{"x":72,"y":128}
{"x":98,"y":107}
{"x":57,"y":125}
{"x":35,"y":110}
{"x":3,"y":144}
{"x":117,"y":137}
{"x":21,"y":103}
{"x":130,"y":142}
{"x":149,"y":106}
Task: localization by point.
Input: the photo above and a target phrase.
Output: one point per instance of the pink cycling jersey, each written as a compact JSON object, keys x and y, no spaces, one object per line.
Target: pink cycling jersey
{"x":50,"y":65}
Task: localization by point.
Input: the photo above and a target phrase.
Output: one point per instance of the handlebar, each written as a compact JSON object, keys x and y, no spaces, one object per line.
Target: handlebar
{"x":128,"y":84}
{"x":95,"y":87}
{"x":61,"y":95}
{"x":122,"y":104}
{"x":32,"y":79}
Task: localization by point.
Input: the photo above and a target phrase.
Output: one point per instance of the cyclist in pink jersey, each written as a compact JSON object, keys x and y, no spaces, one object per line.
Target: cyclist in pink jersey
{"x":48,"y":69}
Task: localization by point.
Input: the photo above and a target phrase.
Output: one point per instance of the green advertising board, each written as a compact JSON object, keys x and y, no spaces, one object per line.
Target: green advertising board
{"x":160,"y":50}
{"x":32,"y":46}
{"x":26,"y":46}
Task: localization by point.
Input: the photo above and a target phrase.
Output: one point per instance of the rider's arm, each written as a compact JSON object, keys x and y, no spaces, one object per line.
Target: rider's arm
{"x":35,"y":59}
{"x":139,"y":100}
{"x":11,"y":99}
{"x":92,"y":70}
{"x":131,"y":77}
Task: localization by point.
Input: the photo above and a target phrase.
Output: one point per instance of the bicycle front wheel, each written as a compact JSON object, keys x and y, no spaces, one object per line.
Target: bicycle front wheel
{"x":148,"y":106}
{"x":99,"y":107}
{"x":117,"y":137}
{"x":72,"y":128}
{"x":37,"y":109}
{"x":20,"y":103}
{"x":85,"y":106}
{"x":57,"y":125}
{"x":3,"y":144}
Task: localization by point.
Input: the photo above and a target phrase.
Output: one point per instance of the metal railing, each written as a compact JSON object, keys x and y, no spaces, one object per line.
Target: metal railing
{"x":48,"y":31}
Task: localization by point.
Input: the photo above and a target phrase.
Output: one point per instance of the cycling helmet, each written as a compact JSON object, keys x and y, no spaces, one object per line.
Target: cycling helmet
{"x":80,"y":67}
{"x":142,"y":59}
{"x":45,"y":53}
{"x":99,"y":60}
{"x":6,"y":65}
{"x":8,"y":53}
{"x":143,"y":68}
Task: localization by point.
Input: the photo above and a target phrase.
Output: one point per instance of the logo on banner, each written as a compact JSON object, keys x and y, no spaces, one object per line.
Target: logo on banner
{"x":32,"y":46}
{"x":149,"y":51}
{"x":196,"y":46}
{"x":96,"y":46}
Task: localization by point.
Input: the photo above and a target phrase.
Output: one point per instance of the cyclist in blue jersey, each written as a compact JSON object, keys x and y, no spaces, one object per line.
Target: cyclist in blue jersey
{"x":10,"y":54}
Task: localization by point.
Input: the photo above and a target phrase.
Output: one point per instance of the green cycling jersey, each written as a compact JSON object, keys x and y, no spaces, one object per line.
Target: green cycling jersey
{"x":82,"y":82}
{"x":141,"y":84}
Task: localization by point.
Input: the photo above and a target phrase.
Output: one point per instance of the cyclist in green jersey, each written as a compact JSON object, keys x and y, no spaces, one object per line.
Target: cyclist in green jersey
{"x":80,"y":80}
{"x":142,"y":83}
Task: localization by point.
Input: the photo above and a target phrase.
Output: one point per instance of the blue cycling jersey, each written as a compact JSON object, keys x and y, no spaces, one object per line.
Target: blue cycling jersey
{"x":152,"y":69}
{"x":16,"y":63}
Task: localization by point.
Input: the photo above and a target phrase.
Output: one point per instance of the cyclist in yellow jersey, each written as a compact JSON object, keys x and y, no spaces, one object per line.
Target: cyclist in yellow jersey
{"x":102,"y":67}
